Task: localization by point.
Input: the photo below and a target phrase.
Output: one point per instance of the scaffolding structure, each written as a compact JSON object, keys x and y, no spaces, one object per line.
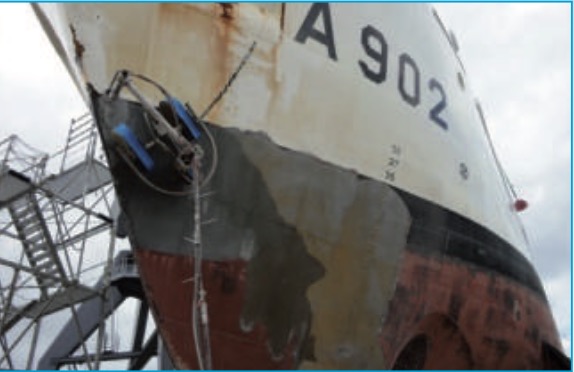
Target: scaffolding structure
{"x":60,"y":284}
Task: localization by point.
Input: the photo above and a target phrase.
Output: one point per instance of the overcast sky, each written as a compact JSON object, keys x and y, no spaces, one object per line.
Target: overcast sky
{"x":517,"y":57}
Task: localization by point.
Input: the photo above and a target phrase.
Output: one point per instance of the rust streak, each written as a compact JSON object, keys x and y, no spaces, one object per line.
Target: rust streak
{"x":282,"y":19}
{"x":227,"y":11}
{"x":79,"y":48}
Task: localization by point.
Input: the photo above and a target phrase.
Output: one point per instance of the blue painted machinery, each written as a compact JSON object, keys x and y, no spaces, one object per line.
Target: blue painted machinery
{"x":172,"y":130}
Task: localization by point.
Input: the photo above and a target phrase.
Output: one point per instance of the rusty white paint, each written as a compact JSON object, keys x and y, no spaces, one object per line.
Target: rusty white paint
{"x":302,"y":99}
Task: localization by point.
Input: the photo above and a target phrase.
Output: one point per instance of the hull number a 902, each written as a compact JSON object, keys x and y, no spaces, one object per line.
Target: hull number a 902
{"x":376,"y":49}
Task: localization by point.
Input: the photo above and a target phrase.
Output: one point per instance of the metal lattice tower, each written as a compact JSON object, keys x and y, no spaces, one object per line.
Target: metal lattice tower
{"x":59,"y":282}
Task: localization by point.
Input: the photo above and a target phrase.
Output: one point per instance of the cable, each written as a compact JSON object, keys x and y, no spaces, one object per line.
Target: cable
{"x":214,"y":154}
{"x":149,"y":183}
{"x":229,"y":81}
{"x":200,"y":336}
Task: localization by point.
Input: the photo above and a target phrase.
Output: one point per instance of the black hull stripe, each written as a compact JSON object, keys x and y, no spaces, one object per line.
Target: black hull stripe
{"x":436,"y":231}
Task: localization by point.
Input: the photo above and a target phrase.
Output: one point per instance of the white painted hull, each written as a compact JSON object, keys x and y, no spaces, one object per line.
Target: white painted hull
{"x":303,"y":99}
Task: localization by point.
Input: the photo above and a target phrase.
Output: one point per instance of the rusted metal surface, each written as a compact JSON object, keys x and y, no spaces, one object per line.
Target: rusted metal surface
{"x":168,"y":284}
{"x":473,"y":319}
{"x":79,"y":48}
{"x":499,"y":326}
{"x":227,"y":10}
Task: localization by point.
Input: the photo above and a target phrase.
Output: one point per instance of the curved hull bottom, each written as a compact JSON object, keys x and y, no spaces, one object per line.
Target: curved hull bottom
{"x":444,"y":315}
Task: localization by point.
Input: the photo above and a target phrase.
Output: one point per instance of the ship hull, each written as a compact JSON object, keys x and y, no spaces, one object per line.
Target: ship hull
{"x":309,"y":265}
{"x":357,"y":218}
